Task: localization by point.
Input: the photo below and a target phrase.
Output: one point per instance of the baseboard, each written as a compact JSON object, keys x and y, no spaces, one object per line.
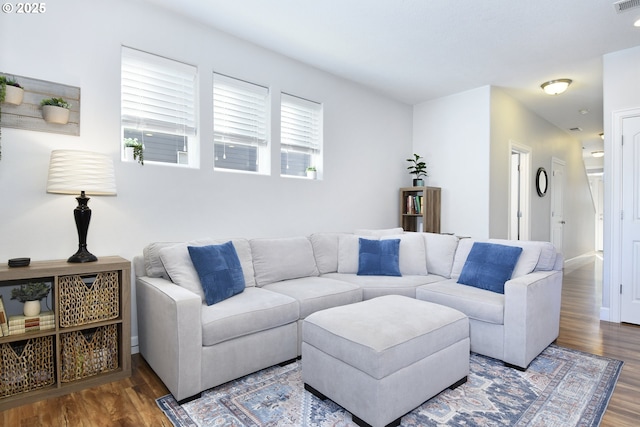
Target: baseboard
{"x":604,"y":314}
{"x":134,"y":345}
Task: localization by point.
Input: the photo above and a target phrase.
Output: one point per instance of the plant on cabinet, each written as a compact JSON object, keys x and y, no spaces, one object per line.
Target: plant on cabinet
{"x":418,"y":168}
{"x":30,"y":294}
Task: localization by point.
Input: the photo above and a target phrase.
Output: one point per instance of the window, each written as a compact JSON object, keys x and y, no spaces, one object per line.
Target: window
{"x":240,"y":125}
{"x":301,"y":135}
{"x":159,"y":106}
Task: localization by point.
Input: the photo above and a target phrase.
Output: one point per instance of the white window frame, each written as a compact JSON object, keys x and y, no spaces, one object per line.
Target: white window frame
{"x":241,"y":116}
{"x":301,"y":131}
{"x":159,"y":95}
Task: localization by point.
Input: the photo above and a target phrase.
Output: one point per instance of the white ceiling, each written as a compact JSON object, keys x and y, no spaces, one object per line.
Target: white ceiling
{"x":417,"y":50}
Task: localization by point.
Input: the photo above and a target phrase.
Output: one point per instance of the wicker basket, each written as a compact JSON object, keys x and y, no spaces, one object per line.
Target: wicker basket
{"x":26,"y":365}
{"x":82,"y":303}
{"x":88,"y":352}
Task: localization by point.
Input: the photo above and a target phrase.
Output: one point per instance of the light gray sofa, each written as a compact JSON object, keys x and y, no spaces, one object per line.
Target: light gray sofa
{"x":193,"y":347}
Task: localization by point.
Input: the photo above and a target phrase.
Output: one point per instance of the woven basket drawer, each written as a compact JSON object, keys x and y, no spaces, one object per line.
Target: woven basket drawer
{"x":82,"y":302}
{"x":88,"y":352}
{"x":26,"y":365}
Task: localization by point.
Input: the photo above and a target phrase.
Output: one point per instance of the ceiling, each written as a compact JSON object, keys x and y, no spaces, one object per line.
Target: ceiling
{"x":417,"y":50}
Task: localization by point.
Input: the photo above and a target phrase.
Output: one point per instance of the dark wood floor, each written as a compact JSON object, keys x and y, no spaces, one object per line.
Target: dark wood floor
{"x":131,"y":402}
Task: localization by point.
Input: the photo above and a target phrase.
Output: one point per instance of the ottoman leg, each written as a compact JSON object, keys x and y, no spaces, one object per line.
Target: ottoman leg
{"x":362,"y":423}
{"x":458,"y":383}
{"x":315,"y":392}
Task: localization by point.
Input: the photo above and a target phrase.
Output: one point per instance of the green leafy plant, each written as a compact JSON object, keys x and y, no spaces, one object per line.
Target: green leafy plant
{"x":417,"y":167}
{"x":138,"y":149}
{"x":58,"y":102}
{"x":4,"y":82}
{"x":32,"y":291}
{"x":311,"y":169}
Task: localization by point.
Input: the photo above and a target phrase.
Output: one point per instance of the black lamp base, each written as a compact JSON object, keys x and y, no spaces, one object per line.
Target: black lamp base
{"x":82,"y":215}
{"x":83,"y":255}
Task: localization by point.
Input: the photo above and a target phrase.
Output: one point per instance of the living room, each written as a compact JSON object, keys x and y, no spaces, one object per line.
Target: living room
{"x":367,"y":137}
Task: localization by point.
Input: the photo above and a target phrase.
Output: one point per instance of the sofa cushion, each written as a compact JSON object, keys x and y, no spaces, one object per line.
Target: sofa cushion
{"x":379,"y":258}
{"x":489,"y":266}
{"x":219,"y":271}
{"x":152,"y":262}
{"x":178,"y":264}
{"x":317,"y":293}
{"x":412,"y":253}
{"x":282,"y":258}
{"x":349,"y":253}
{"x":478,"y":304}
{"x":325,"y":250}
{"x":252,"y":311}
{"x":440,"y":252}
{"x":375,"y":286}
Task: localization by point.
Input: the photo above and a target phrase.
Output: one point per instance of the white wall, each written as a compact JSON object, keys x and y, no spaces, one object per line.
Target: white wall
{"x":366,"y":139}
{"x":621,"y":92}
{"x":453,"y":135}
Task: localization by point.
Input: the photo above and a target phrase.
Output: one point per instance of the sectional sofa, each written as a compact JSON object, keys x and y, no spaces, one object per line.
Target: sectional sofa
{"x":193,"y":346}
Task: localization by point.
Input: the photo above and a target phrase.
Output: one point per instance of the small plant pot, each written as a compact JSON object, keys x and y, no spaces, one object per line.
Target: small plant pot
{"x":128,"y":154}
{"x":13,"y":95}
{"x":312,"y":174}
{"x":418,"y":183}
{"x":55,"y":114}
{"x":31,"y":308}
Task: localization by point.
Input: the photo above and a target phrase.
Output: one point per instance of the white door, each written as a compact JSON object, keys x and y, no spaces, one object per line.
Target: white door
{"x":598,"y":198}
{"x":630,"y":287}
{"x":557,"y":203}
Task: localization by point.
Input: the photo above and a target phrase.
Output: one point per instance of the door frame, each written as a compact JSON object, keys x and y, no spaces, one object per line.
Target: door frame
{"x":552,"y":190}
{"x":612,"y":267}
{"x":525,"y":188}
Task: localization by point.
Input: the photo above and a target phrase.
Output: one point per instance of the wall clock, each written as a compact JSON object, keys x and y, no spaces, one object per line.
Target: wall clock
{"x":542,"y":183}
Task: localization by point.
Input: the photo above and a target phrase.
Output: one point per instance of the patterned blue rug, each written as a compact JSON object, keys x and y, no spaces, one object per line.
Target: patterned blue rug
{"x":562,"y":388}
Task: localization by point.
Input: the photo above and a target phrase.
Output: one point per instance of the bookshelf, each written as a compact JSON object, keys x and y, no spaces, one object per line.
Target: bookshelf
{"x":90,"y":342}
{"x":420,"y":209}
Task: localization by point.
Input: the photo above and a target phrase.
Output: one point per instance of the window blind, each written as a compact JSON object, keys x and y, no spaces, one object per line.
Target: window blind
{"x":158,"y":94}
{"x":239,"y":111}
{"x":301,"y":128}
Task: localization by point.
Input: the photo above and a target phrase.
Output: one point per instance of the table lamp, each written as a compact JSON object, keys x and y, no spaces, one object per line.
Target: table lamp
{"x":87,"y":173}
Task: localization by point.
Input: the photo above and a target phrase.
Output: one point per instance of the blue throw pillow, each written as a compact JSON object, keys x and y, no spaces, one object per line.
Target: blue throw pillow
{"x":379,"y":257}
{"x":489,"y":266}
{"x":219,"y":269}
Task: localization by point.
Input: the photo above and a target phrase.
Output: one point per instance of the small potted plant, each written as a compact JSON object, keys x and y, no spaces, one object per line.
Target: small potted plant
{"x":312,"y":172}
{"x":133,"y":150}
{"x":30,"y":294}
{"x":10,"y":91}
{"x":418,"y":168}
{"x":55,"y":110}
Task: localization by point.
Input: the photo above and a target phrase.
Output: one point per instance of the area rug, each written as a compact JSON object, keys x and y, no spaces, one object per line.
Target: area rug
{"x":562,"y":387}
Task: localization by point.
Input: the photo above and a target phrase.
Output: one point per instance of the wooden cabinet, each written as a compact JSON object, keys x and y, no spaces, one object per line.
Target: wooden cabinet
{"x":91,"y":341}
{"x":420,"y":209}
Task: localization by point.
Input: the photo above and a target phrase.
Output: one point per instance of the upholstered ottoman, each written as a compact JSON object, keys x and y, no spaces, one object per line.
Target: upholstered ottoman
{"x":382,"y":358}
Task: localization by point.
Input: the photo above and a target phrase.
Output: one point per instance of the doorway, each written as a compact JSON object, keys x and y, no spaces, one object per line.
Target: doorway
{"x":519,"y":191}
{"x":557,"y":203}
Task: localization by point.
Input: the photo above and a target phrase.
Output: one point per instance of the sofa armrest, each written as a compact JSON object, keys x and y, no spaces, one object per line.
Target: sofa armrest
{"x":531,"y":315}
{"x":170,"y":334}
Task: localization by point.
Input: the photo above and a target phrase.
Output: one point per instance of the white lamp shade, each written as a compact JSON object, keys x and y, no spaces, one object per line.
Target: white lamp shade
{"x":72,"y":171}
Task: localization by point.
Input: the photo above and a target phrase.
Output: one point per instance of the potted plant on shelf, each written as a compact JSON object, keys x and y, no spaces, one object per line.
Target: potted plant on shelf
{"x":133,"y":150}
{"x":418,"y":168}
{"x":30,"y":294}
{"x":10,"y":91}
{"x":312,"y":172}
{"x":55,"y":110}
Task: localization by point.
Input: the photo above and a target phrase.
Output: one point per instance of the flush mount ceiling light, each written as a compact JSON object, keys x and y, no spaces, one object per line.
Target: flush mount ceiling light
{"x":555,"y":87}
{"x":597,"y":153}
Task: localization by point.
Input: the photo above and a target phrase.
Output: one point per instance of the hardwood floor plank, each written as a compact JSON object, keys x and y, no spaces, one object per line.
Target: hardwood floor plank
{"x":131,"y":402}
